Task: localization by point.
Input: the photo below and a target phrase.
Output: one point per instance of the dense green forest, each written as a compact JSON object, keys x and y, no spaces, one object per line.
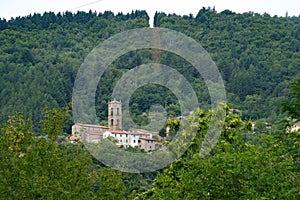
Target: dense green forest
{"x":40,"y":56}
{"x":257,"y":55}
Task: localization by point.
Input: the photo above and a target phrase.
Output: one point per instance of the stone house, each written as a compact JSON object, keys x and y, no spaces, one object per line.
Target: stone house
{"x":148,"y":144}
{"x":88,"y":132}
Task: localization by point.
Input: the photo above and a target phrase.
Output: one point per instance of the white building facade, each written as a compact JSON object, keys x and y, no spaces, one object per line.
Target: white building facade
{"x":125,"y":138}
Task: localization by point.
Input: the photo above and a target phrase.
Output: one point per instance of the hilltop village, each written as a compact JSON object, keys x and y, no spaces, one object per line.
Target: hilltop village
{"x":91,"y":133}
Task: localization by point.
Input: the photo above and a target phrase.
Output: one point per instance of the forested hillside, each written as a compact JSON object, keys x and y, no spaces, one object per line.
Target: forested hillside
{"x":258,"y":55}
{"x":40,"y":56}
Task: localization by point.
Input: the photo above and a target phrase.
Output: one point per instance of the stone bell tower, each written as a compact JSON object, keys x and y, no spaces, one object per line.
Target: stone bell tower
{"x":115,"y":115}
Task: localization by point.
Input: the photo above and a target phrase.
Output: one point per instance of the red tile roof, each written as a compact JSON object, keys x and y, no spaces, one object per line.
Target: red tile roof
{"x":133,"y":133}
{"x":118,"y":131}
{"x":148,"y":139}
{"x":72,"y":138}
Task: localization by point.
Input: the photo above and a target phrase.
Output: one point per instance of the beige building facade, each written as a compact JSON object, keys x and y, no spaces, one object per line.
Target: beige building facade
{"x":91,"y":133}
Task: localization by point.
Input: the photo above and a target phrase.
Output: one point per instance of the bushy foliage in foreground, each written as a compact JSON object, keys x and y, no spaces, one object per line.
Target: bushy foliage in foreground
{"x":33,"y":167}
{"x":243,"y":165}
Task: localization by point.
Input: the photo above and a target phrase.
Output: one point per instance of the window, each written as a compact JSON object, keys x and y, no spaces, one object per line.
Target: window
{"x":112,"y":122}
{"x":126,"y":141}
{"x":126,"y":135}
{"x":133,"y":141}
{"x":111,"y":111}
{"x":118,"y":111}
{"x":118,"y":122}
{"x":121,"y":141}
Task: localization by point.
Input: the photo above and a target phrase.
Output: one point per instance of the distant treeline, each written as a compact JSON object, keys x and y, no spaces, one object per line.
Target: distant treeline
{"x":44,"y":21}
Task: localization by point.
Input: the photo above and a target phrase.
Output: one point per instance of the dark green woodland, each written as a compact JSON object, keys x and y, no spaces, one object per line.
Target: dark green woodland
{"x":258,"y":56}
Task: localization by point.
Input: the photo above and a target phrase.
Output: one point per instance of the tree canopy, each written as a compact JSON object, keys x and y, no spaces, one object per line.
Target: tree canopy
{"x":292,"y":103}
{"x":257,"y":55}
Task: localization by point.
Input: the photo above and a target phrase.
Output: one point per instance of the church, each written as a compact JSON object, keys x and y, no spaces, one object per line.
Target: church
{"x":91,"y":133}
